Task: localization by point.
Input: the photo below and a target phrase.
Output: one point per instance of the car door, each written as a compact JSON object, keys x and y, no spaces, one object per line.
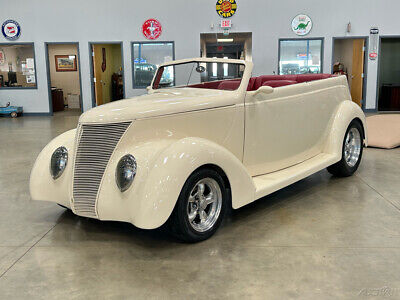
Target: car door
{"x":286,"y":126}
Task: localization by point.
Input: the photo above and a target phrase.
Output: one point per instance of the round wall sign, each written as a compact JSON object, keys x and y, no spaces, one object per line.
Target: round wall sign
{"x":152,"y":29}
{"x":2,"y":57}
{"x":11,"y":30}
{"x":373,"y":55}
{"x":226,"y":8}
{"x":302,"y":24}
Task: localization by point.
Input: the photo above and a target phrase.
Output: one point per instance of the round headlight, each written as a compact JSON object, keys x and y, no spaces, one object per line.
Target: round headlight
{"x":126,"y":171}
{"x":58,"y":162}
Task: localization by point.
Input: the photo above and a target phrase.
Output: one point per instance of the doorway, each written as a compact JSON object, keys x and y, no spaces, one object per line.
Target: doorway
{"x":107,"y":72}
{"x":64,"y":77}
{"x":350,"y":58}
{"x":389,"y":74}
{"x":232,"y":46}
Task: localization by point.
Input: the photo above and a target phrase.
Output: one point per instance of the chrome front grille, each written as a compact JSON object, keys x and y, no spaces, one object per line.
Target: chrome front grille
{"x":96,"y":143}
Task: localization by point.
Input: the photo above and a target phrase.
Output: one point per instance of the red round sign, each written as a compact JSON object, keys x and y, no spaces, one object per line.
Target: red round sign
{"x":373,"y":55}
{"x":152,"y":29}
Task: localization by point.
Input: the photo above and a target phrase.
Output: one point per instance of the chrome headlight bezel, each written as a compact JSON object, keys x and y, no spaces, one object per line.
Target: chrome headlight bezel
{"x":125,"y":172}
{"x":58,"y":162}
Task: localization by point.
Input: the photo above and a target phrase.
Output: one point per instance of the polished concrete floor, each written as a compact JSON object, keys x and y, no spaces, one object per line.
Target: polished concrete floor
{"x":321,"y":238}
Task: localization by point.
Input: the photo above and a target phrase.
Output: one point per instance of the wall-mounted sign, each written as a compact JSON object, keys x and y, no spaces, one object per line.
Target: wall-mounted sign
{"x":140,"y":61}
{"x":302,"y":24}
{"x":11,"y":30}
{"x":302,"y":56}
{"x":373,"y":50}
{"x":226,"y":23}
{"x":152,"y":29}
{"x":226,"y":8}
{"x":2,"y":57}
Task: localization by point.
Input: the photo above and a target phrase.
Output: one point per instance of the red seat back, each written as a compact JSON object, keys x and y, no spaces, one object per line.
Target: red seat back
{"x":229,"y":85}
{"x":261,"y":79}
{"x":258,"y":81}
{"x":252,"y":82}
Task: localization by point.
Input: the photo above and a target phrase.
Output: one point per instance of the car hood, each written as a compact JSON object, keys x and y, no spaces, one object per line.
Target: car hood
{"x":159,"y":103}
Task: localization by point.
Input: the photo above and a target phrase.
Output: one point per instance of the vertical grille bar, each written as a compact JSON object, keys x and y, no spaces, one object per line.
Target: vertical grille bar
{"x":96,"y":143}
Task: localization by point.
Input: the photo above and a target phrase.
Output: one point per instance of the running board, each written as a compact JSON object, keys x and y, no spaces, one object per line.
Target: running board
{"x":269,"y":183}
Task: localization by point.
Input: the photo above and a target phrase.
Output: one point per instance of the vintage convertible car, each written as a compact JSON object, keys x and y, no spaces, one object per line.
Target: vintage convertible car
{"x":185,"y":154}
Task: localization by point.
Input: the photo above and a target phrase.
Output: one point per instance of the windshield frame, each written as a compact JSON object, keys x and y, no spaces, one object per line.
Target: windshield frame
{"x":157,"y":76}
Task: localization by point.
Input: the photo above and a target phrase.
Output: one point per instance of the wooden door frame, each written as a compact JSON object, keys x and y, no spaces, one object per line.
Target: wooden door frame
{"x":379,"y":70}
{"x":366,"y":38}
{"x":92,"y":71}
{"x":46,"y":47}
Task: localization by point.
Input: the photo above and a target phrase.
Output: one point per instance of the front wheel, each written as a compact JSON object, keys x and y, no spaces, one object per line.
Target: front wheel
{"x":201,"y":206}
{"x":351,"y":152}
{"x":14,"y":114}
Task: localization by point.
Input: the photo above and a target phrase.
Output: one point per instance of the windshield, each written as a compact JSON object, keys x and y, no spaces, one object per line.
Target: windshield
{"x":210,"y":75}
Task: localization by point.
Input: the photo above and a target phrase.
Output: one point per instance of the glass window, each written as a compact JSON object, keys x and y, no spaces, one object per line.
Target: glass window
{"x":146,"y":59}
{"x":17,"y":66}
{"x":300,"y":56}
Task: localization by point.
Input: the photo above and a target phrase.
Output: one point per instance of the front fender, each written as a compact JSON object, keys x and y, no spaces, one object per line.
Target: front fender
{"x":174,"y":166}
{"x":163,"y":168}
{"x":41,"y":185}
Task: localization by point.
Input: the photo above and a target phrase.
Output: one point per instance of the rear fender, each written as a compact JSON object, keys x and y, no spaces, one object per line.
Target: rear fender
{"x":346,"y":112}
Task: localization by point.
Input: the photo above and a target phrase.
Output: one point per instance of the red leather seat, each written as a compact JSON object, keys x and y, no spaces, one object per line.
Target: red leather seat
{"x":261,"y":79}
{"x":278,"y":83}
{"x":229,"y":85}
{"x":252,"y":82}
{"x":270,"y":80}
{"x":297,"y":78}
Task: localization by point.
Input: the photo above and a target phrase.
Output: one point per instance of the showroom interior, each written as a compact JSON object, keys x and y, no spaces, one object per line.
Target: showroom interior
{"x":322,"y":237}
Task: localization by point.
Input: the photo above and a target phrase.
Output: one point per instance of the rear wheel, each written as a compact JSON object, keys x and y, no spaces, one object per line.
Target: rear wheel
{"x":201,"y":206}
{"x":351,"y":152}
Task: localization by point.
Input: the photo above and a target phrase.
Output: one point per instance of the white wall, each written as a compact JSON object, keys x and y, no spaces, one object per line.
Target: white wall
{"x":183,"y":21}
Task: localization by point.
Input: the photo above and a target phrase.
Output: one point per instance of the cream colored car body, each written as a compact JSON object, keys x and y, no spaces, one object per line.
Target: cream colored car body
{"x":262,"y":140}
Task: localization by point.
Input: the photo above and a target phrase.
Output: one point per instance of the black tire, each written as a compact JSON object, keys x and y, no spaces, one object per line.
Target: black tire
{"x":14,"y":114}
{"x":179,"y":224}
{"x":342,"y":168}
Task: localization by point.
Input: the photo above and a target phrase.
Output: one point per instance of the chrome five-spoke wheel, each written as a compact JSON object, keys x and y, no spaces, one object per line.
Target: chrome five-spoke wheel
{"x":204,"y":204}
{"x":351,"y":152}
{"x":201,"y":206}
{"x":352,"y":147}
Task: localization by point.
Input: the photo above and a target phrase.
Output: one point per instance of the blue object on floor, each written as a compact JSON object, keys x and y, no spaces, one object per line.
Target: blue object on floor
{"x":12,"y":111}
